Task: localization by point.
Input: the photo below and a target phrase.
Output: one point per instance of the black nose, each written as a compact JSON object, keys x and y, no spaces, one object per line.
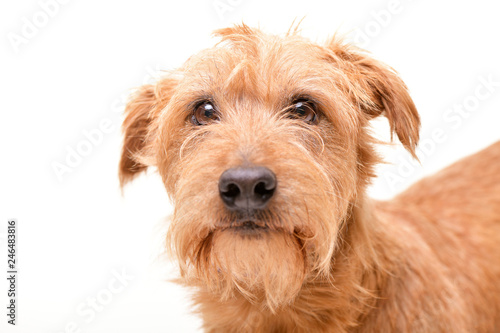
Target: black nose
{"x":246,"y":188}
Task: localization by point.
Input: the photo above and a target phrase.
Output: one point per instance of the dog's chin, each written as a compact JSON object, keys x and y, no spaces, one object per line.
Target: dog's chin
{"x":262,"y":264}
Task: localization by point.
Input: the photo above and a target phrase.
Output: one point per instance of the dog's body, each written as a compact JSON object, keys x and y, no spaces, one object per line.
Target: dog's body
{"x":263,"y":145}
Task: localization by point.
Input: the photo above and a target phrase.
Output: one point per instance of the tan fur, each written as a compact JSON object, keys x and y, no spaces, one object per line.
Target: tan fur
{"x":332,"y":259}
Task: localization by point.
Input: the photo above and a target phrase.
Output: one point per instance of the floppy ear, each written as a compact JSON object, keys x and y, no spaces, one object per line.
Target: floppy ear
{"x":380,"y":91}
{"x":139,"y":127}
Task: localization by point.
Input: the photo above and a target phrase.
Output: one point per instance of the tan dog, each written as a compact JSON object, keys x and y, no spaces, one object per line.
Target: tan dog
{"x":263,"y":145}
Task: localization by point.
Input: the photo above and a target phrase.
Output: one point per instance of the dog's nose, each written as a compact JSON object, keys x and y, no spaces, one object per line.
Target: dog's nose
{"x":246,"y":188}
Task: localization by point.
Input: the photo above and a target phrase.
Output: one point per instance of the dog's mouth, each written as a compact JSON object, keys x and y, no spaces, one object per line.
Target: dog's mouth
{"x":249,"y":223}
{"x":248,"y":227}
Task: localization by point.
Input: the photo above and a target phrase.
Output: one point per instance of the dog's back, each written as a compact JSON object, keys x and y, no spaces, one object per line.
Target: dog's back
{"x":449,"y":227}
{"x":470,"y":186}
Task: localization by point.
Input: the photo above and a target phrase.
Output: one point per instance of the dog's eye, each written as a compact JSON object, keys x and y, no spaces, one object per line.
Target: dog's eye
{"x":204,"y":113}
{"x":303,"y":109}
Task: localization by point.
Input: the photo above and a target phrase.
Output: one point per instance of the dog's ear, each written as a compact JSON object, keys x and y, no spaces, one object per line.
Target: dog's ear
{"x":378,"y":90}
{"x":139,"y":127}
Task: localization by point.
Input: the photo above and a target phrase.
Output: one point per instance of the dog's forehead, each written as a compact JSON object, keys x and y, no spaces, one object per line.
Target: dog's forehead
{"x":259,"y":64}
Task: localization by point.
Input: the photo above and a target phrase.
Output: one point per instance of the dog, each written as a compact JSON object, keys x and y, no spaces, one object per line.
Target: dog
{"x":264,"y":147}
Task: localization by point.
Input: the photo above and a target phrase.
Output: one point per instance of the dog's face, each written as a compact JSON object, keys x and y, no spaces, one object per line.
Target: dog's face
{"x":262,"y":144}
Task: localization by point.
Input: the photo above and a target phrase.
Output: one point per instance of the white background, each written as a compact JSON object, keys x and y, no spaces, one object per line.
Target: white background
{"x":74,"y":71}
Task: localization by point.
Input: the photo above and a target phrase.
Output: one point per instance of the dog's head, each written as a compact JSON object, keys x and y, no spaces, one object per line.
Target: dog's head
{"x":262,"y":144}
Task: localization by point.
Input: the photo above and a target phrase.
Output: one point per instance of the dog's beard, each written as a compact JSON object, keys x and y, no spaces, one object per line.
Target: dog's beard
{"x":267,"y":269}
{"x":267,"y":266}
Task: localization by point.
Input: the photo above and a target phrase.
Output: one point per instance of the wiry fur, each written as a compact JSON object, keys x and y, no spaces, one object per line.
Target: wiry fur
{"x":331,"y":260}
